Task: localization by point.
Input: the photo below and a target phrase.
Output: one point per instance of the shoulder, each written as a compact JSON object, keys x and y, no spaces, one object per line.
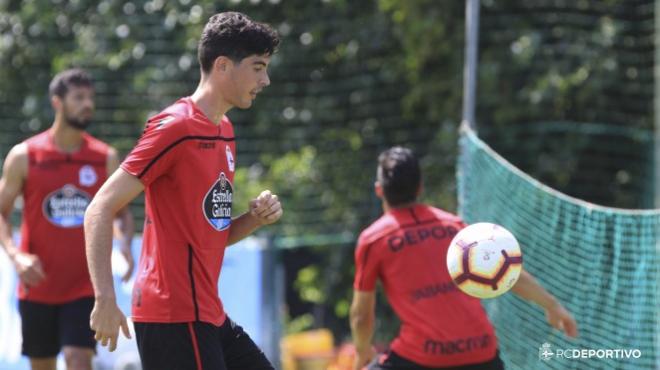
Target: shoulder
{"x":164,"y":129}
{"x":16,"y":162}
{"x":173,"y":119}
{"x":39,"y":140}
{"x":19,"y":150}
{"x":169,"y":122}
{"x":443,"y":215}
{"x":379,"y":228}
{"x":97,"y":145}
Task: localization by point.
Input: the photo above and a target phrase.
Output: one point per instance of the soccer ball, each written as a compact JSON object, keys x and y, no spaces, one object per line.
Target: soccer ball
{"x":484,"y":260}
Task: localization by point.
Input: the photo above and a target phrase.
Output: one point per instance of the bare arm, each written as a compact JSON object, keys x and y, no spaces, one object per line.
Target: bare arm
{"x":124,"y":221}
{"x":115,"y":194}
{"x":15,"y":169}
{"x":241,"y":227}
{"x":11,"y":186}
{"x":264,"y":210}
{"x":362,"y":317}
{"x":124,"y":231}
{"x":558,"y":317}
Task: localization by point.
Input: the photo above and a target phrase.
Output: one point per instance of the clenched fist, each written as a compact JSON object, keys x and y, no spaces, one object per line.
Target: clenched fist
{"x":266,"y":208}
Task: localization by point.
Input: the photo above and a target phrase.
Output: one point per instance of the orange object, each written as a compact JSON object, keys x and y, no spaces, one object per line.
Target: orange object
{"x":309,"y":350}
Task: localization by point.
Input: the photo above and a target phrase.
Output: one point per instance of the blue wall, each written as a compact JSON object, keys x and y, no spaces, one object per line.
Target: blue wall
{"x":241,"y":289}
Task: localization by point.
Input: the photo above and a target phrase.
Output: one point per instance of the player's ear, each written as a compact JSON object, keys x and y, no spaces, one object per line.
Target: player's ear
{"x":222,"y":64}
{"x":56,"y":102}
{"x":378,"y":189}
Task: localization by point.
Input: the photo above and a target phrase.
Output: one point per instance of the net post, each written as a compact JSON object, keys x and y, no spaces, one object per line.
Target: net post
{"x":471,"y":60}
{"x":656,"y":146}
{"x":656,"y":108}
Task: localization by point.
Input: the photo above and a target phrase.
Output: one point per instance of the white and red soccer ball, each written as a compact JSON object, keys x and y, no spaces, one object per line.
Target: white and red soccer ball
{"x":484,"y":260}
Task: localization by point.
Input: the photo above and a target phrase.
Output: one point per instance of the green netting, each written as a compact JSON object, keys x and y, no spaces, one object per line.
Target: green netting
{"x":602,"y":263}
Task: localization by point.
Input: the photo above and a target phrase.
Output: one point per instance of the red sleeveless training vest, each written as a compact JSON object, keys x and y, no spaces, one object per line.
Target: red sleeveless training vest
{"x":57,"y":190}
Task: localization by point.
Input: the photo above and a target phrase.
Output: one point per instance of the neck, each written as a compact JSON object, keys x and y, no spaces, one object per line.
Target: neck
{"x":387,"y":207}
{"x":65,"y":137}
{"x":210,"y":101}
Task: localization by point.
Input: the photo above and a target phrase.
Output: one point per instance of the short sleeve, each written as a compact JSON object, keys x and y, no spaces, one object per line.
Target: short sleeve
{"x":366,"y":266}
{"x":154,"y":153}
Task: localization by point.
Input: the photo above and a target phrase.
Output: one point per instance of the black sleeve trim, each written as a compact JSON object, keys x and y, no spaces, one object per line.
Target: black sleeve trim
{"x":169,"y":147}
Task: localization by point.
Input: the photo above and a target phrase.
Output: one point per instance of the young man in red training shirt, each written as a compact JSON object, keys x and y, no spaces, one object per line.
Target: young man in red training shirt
{"x":185,"y":163}
{"x":58,"y":172}
{"x":441,"y":327}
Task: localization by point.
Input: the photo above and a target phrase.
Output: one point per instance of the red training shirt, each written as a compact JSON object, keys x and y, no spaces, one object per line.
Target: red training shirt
{"x":441,"y":326}
{"x":186,"y":164}
{"x":56,"y":193}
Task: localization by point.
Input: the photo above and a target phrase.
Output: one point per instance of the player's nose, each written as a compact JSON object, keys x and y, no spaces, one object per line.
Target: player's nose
{"x":266,"y":80}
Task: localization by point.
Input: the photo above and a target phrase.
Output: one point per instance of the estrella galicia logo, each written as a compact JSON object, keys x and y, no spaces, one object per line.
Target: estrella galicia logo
{"x":217,"y":203}
{"x":66,"y":207}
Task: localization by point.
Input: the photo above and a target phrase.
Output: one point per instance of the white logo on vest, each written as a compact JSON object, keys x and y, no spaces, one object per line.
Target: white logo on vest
{"x":230,"y":159}
{"x":87,"y":176}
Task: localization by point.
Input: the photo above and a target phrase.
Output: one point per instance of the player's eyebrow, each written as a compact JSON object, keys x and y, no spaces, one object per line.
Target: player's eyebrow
{"x":260,"y":62}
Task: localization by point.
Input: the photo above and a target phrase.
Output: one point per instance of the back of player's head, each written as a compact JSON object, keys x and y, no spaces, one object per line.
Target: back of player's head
{"x":399,"y":175}
{"x":235,"y":36}
{"x":64,"y":80}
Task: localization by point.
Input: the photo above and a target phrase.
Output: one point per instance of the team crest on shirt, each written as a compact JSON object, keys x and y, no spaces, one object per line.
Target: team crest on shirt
{"x":87,"y":176}
{"x":66,"y":207}
{"x":217,"y":203}
{"x":230,"y":159}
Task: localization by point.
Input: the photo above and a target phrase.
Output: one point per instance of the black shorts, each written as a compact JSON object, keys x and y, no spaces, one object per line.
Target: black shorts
{"x":392,"y":361}
{"x":47,"y":328}
{"x":198,"y":346}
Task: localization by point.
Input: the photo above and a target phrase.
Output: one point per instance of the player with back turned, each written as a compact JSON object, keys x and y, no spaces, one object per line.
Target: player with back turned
{"x":441,"y":327}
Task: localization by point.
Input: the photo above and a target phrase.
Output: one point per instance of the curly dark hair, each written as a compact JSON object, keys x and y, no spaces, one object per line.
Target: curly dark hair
{"x":399,"y":175}
{"x":235,"y":36}
{"x":63,"y":81}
